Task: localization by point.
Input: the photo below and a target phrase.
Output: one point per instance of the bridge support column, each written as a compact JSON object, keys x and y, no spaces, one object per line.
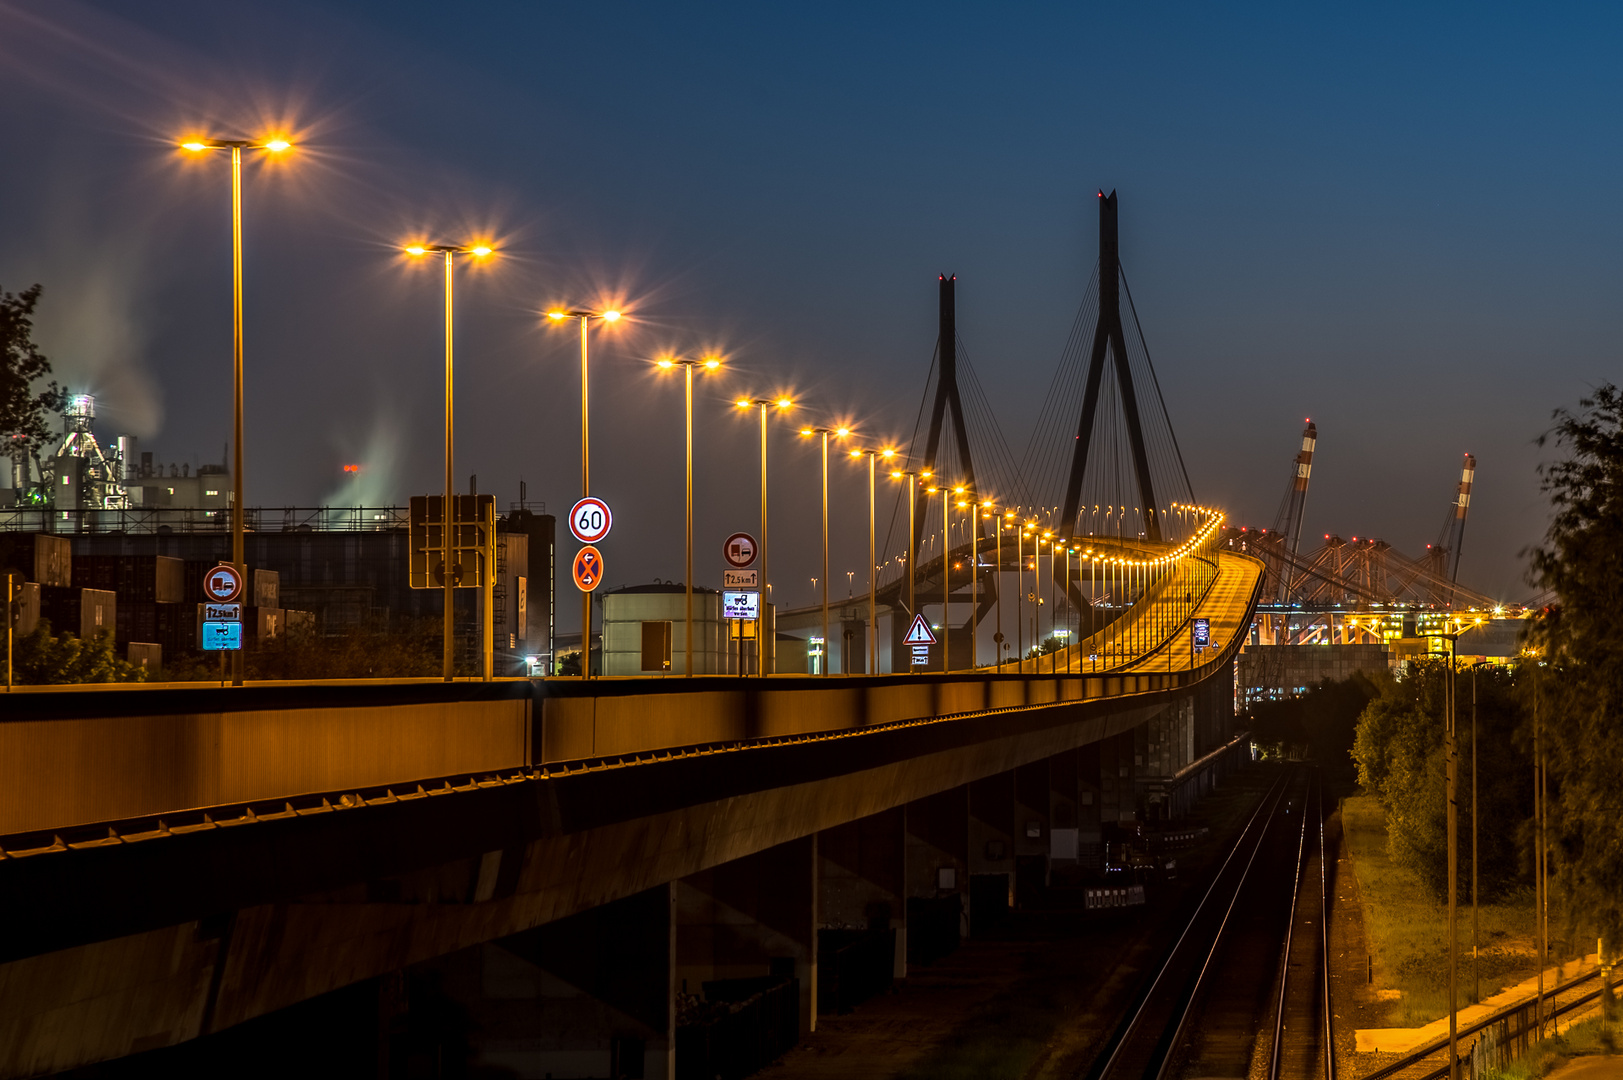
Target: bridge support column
{"x":937,"y":874}
{"x":1033,"y":829}
{"x":991,"y":850}
{"x":1065,"y":844}
{"x":751,"y":917}
{"x":1116,"y":779}
{"x":588,"y":995}
{"x":861,"y":889}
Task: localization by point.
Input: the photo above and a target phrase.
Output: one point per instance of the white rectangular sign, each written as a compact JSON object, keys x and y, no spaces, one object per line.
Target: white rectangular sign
{"x":743,"y":604}
{"x":222,"y":612}
{"x":740,"y":579}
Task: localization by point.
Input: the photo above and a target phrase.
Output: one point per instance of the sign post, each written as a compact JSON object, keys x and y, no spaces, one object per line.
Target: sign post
{"x":740,"y":550}
{"x":590,"y":520}
{"x":920,"y":637}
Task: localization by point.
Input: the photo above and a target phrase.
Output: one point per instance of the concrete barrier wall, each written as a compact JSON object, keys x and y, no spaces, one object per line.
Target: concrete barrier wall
{"x":55,"y":773}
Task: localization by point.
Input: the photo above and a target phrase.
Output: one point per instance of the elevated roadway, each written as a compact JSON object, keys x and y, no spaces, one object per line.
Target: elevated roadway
{"x":175,"y":860}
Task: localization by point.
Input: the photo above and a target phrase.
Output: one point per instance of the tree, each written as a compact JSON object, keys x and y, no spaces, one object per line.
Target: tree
{"x":43,"y":659}
{"x":1323,"y":721}
{"x":23,"y":409}
{"x":1398,"y":748}
{"x":1579,"y":644}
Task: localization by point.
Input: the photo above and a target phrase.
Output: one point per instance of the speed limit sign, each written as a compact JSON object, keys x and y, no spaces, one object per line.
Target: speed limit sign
{"x":590,"y":520}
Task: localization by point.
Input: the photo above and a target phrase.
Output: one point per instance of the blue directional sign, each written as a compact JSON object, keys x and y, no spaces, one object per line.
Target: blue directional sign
{"x":221,"y":635}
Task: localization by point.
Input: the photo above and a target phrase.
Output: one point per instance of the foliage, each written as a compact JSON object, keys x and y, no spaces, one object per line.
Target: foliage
{"x":23,"y":409}
{"x":1398,"y":749}
{"x":1579,"y":642}
{"x":1323,"y":721}
{"x":1049,"y":645}
{"x":381,"y":649}
{"x":44,"y":660}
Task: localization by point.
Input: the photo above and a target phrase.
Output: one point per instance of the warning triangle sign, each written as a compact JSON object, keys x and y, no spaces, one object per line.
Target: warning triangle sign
{"x":919,"y":633}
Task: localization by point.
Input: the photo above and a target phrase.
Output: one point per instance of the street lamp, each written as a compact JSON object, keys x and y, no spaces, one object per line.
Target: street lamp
{"x":236,"y":146}
{"x":913,"y":477}
{"x":763,"y":404}
{"x":448,"y":252}
{"x":824,"y":433}
{"x":1476,"y":946}
{"x":585,"y":317}
{"x":946,"y":576}
{"x":709,"y":363}
{"x":871,"y":454}
{"x":1451,"y":759}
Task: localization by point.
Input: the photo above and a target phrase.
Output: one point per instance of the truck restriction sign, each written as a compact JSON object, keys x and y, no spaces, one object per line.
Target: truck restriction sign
{"x":590,"y":520}
{"x":588,"y":568}
{"x":222,"y":584}
{"x":739,"y":550}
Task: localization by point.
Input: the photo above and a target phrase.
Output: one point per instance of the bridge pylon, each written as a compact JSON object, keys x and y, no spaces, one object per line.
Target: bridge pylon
{"x":1109,"y":337}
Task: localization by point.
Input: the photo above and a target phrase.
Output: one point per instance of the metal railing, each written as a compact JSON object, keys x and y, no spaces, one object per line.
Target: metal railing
{"x":163,"y":520}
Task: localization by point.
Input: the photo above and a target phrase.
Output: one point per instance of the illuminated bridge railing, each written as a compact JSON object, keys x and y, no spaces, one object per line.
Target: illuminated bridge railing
{"x":1147,"y":596}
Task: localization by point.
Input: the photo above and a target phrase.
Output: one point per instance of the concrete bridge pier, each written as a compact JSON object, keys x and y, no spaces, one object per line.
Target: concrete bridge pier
{"x":862,"y":880}
{"x":937,"y":874}
{"x":592,"y":994}
{"x":1033,"y":827}
{"x":751,"y":917}
{"x":991,"y":850}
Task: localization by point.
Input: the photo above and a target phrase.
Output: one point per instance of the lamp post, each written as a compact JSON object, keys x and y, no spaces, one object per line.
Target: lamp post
{"x":709,"y":363}
{"x":946,"y":577}
{"x":873,"y":571}
{"x":448,"y":530}
{"x":763,"y":404}
{"x":1451,"y":760}
{"x":236,"y":146}
{"x":912,"y":602}
{"x":585,"y":317}
{"x":1476,"y":945}
{"x":969,"y":503}
{"x":824,"y":433}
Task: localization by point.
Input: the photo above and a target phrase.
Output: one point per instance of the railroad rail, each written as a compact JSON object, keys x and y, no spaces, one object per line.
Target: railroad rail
{"x":1253,"y":921}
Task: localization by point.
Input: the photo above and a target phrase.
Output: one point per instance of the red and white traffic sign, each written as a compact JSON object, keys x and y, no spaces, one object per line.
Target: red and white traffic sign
{"x":739,"y":550}
{"x":588,"y":568}
{"x":919,"y":633}
{"x":222,"y":584}
{"x":590,"y":520}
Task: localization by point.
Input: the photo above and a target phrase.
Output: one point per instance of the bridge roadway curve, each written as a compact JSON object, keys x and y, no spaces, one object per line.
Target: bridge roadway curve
{"x":174,"y":861}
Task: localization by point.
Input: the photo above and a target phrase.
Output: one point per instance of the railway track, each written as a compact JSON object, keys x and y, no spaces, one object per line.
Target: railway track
{"x":1244,"y":989}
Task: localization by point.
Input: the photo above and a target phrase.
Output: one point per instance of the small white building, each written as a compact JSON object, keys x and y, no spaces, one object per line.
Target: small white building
{"x":645,"y":633}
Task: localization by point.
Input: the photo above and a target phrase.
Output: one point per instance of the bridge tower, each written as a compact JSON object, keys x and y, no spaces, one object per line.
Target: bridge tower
{"x":946,"y":397}
{"x":1109,"y":336}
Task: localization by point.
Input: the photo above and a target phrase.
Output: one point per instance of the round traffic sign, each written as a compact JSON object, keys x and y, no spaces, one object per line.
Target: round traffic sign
{"x":222,"y":584}
{"x":588,"y":568}
{"x":590,"y":520}
{"x":739,"y":550}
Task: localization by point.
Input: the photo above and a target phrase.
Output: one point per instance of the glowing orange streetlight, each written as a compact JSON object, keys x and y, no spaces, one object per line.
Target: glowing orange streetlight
{"x":824,"y":433}
{"x":448,"y":254}
{"x":197,"y":146}
{"x":763,"y":643}
{"x":709,"y":363}
{"x":585,"y":316}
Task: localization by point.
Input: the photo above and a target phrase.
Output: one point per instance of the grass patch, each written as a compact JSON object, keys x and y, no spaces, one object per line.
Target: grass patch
{"x":1407,"y":931}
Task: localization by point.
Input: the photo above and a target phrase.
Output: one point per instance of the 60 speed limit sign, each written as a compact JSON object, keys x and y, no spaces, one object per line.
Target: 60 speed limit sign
{"x":590,"y":520}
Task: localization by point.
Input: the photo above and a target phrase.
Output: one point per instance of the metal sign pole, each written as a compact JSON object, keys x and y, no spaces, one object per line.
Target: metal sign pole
{"x":489,"y":555}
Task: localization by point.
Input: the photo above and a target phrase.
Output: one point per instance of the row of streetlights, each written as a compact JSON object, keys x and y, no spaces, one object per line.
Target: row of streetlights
{"x":585,"y":317}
